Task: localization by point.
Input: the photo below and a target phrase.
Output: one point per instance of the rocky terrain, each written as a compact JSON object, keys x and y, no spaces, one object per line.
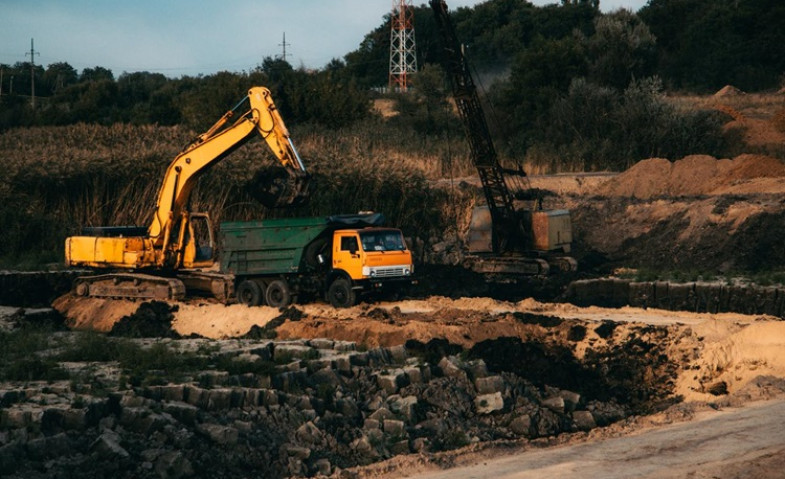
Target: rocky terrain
{"x":170,"y":391}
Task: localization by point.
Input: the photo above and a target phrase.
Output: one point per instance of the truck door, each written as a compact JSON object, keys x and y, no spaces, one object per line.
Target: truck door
{"x":347,"y":253}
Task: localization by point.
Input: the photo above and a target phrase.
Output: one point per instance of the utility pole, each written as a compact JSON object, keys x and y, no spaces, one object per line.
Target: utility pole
{"x":32,"y":54}
{"x":403,"y":54}
{"x":284,"y":45}
{"x":1,"y":81}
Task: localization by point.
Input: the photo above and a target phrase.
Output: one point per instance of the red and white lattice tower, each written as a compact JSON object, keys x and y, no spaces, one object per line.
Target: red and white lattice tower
{"x":403,"y":55}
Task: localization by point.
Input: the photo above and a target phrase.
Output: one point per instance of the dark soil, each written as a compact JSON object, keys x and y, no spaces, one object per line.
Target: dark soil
{"x":151,"y":320}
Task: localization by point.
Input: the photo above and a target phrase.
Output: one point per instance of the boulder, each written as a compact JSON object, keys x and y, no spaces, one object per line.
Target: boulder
{"x":488,"y":403}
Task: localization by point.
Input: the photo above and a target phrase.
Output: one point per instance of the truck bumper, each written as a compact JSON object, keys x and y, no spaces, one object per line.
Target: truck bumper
{"x":385,"y":284}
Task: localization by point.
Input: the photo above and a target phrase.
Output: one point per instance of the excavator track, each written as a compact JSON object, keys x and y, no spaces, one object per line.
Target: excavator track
{"x":130,"y":286}
{"x":517,"y":265}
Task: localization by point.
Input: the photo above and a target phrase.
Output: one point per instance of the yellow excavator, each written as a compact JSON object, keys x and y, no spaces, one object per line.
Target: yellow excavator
{"x":148,"y":257}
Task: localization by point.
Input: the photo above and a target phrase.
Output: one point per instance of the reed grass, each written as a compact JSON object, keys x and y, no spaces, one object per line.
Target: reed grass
{"x":56,"y":180}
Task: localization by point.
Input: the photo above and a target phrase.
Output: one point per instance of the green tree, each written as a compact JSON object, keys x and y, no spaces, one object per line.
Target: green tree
{"x":96,"y":74}
{"x":706,"y":44}
{"x":621,"y":49}
{"x":59,"y":75}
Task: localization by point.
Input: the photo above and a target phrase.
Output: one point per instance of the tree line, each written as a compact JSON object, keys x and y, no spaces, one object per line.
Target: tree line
{"x":563,"y":77}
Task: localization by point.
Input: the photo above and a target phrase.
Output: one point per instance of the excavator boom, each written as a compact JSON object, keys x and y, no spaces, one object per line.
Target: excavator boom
{"x":219,"y":141}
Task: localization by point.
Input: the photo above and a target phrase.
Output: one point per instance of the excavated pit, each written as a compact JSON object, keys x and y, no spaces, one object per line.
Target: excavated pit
{"x":388,"y":381}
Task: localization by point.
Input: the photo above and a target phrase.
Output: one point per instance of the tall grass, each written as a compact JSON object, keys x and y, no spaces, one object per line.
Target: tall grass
{"x":56,"y":180}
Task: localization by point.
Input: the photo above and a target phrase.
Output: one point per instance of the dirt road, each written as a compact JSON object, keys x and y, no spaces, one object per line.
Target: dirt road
{"x":731,"y":443}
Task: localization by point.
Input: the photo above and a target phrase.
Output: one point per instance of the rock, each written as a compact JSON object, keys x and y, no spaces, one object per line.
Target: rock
{"x":378,"y":357}
{"x":399,"y":447}
{"x":571,"y":400}
{"x":211,"y":379}
{"x":398,"y":353}
{"x":342,"y":363}
{"x":196,"y":396}
{"x":322,"y":466}
{"x":477,"y":369}
{"x":547,"y":423}
{"x":219,"y":399}
{"x":10,"y":457}
{"x":362,"y":445}
{"x":406,"y":407}
{"x":44,"y":448}
{"x":371,"y":424}
{"x":348,"y":407}
{"x":521,"y":425}
{"x":450,"y":367}
{"x":322,"y":343}
{"x":584,"y":421}
{"x":392,"y":381}
{"x":173,"y":465}
{"x":107,"y":446}
{"x":414,"y":374}
{"x":290,"y":380}
{"x":141,"y":420}
{"x":555,"y":404}
{"x":308,"y":433}
{"x":419,"y":444}
{"x":288,"y":351}
{"x":223,"y":435}
{"x":381,"y":414}
{"x":488,"y":403}
{"x":394,"y":427}
{"x":490,"y":384}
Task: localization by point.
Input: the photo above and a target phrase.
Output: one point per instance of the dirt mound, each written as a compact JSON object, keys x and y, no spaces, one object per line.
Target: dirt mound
{"x":729,"y":90}
{"x":694,"y":175}
{"x":151,"y":320}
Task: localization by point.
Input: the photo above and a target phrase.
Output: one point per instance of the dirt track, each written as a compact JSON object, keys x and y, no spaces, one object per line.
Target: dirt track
{"x":730,"y":443}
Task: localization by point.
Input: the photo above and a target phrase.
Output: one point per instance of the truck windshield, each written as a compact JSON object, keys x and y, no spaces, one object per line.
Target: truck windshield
{"x":382,"y":241}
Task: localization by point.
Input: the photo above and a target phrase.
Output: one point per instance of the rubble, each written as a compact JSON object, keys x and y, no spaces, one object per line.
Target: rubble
{"x":308,"y":415}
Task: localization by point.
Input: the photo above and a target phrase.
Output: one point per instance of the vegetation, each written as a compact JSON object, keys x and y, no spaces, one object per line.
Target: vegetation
{"x":568,"y":88}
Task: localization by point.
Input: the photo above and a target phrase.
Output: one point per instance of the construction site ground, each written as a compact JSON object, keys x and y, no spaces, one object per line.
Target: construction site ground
{"x":703,"y":393}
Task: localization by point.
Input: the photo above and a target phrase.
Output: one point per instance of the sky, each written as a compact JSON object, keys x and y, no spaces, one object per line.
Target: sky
{"x":196,"y":37}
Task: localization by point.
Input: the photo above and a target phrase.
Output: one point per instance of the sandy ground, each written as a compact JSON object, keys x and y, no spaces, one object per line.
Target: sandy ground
{"x":730,"y":348}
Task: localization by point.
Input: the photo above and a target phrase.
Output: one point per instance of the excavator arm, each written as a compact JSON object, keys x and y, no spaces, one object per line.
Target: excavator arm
{"x":219,"y":141}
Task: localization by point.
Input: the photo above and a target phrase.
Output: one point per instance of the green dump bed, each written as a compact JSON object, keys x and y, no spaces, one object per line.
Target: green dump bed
{"x":277,"y":246}
{"x":269,"y":246}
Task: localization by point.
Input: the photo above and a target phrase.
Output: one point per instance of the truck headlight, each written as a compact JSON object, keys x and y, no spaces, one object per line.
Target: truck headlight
{"x":407,"y":271}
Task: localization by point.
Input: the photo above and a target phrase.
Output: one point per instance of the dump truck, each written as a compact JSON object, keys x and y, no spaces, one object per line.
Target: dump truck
{"x":276,"y":262}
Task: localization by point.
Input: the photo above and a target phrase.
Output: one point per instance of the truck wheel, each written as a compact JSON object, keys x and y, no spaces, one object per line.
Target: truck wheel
{"x":278,"y":294}
{"x":341,"y":294}
{"x":249,"y":293}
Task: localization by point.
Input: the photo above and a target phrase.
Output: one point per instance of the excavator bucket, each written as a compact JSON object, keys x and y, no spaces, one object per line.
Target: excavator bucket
{"x":277,"y":187}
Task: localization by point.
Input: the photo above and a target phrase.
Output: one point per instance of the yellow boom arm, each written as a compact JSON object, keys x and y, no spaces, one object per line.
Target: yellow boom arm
{"x":213,"y":145}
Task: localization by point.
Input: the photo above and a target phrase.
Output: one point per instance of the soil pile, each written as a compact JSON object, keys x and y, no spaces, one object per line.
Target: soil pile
{"x":697,"y":175}
{"x":728,"y":90}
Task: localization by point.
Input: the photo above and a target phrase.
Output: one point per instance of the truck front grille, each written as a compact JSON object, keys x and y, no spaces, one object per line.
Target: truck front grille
{"x":388,"y":272}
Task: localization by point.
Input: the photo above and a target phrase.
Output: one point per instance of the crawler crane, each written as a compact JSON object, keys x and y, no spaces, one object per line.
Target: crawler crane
{"x":502,"y":238}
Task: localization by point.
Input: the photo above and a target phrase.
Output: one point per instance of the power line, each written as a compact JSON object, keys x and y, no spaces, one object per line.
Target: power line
{"x":33,"y":53}
{"x":284,"y":45}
